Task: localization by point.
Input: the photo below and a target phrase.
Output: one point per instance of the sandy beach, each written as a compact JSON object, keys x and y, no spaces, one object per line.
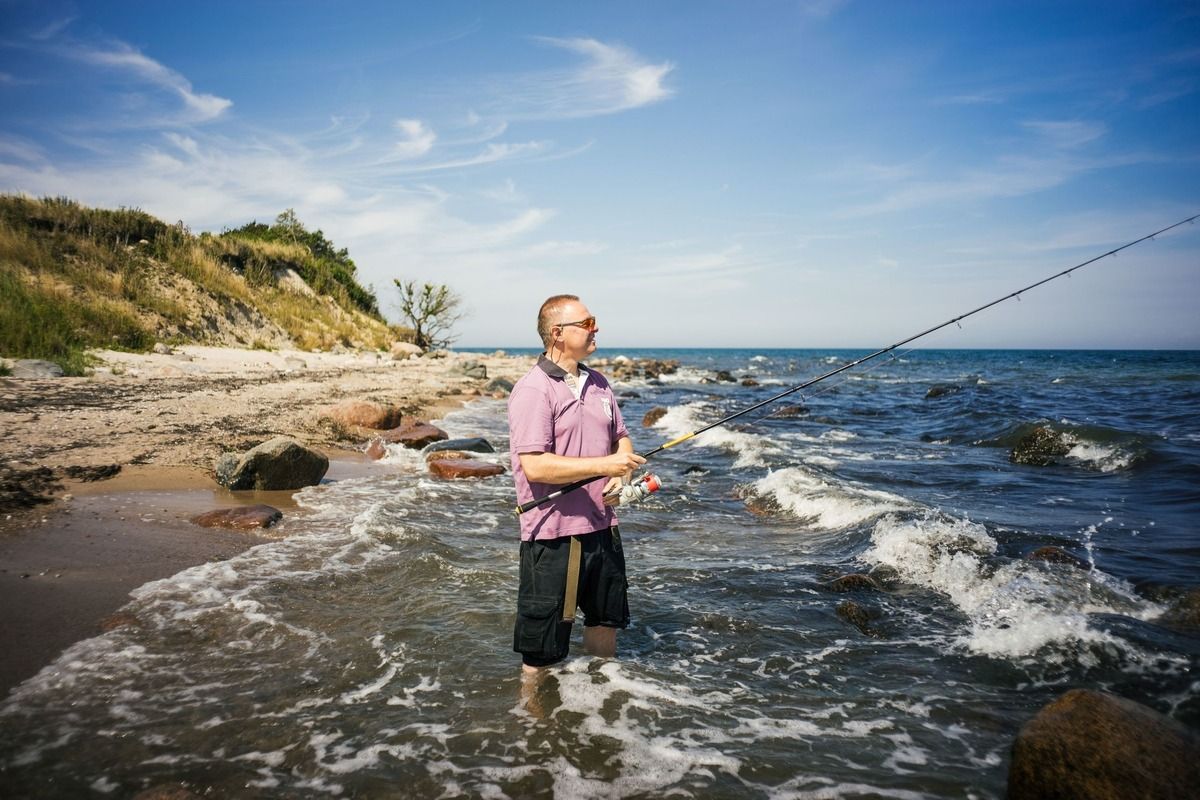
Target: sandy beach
{"x":69,"y":564}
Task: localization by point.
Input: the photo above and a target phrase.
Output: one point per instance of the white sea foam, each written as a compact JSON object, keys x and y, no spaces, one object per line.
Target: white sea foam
{"x":685,"y":375}
{"x":749,"y":449}
{"x":1015,"y":609}
{"x":821,"y":503}
{"x":1106,"y":458}
{"x":651,"y":758}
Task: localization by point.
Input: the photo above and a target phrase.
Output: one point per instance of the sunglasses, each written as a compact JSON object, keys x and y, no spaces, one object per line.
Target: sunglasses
{"x":588,"y":324}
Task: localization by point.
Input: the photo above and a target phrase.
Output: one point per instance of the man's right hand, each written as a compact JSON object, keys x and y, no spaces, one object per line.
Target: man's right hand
{"x":620,"y":464}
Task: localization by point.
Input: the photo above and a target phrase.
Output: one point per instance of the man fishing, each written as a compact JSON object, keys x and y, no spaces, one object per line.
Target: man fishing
{"x":564,"y":426}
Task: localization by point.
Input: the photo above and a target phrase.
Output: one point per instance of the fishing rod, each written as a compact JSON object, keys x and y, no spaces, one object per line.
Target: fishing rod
{"x":570,"y":487}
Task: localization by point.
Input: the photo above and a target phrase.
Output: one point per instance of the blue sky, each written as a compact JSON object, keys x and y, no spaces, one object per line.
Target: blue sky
{"x":763,"y":174}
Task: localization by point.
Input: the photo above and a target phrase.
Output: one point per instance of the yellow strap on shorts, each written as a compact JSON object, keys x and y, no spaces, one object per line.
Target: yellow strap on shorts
{"x":572,"y":591}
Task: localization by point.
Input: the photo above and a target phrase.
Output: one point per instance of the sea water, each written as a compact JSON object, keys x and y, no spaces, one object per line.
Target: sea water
{"x":367,"y":654}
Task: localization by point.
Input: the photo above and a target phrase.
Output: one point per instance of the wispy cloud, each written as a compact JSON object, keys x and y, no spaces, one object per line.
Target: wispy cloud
{"x":52,"y":29}
{"x":1053,"y":153}
{"x":416,"y":139}
{"x":1067,"y":135}
{"x":199,"y":107}
{"x":609,"y":79}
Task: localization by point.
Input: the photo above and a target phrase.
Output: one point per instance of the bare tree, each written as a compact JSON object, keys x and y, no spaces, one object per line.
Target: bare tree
{"x":431,"y":309}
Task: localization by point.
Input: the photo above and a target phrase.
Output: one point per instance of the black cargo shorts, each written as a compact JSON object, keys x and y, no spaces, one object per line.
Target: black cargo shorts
{"x":540,"y":635}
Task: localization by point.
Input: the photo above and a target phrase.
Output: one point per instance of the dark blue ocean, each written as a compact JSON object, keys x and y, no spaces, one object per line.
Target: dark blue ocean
{"x":367,"y":654}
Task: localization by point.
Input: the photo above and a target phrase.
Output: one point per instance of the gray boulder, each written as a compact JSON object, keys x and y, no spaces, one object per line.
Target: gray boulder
{"x":476,"y":444}
{"x":33,"y":368}
{"x":279,"y":464}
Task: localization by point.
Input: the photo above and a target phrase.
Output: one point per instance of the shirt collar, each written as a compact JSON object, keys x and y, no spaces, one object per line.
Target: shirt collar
{"x":554,"y":370}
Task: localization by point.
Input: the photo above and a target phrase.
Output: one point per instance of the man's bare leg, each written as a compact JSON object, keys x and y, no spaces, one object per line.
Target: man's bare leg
{"x":600,"y":641}
{"x":531,"y":684}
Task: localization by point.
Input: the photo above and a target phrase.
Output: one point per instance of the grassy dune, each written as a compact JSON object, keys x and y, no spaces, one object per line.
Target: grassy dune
{"x":74,"y":278}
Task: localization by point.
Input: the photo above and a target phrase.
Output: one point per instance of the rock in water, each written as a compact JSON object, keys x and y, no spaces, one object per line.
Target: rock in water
{"x":653,"y":416}
{"x":476,"y":444}
{"x":853,"y":582}
{"x":278,"y":464}
{"x":462,"y":468}
{"x":1056,"y":555}
{"x":1097,"y":746}
{"x":941,"y":390}
{"x":242,"y":518}
{"x":415,"y":434}
{"x":1040,"y":448}
{"x":448,"y":455}
{"x":858,"y":615}
{"x":1185,"y":612}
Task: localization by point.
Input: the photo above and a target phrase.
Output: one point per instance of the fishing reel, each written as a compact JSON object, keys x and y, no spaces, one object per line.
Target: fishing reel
{"x":639,"y":489}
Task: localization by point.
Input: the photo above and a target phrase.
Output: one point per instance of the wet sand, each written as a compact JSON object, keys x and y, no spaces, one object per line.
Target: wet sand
{"x":67,"y":566}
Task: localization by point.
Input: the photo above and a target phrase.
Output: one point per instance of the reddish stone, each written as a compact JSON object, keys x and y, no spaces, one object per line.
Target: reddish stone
{"x":462,"y":468}
{"x":415,"y":434}
{"x":244,"y":518}
{"x":447,"y":455}
{"x":365,"y":414}
{"x":376,"y":449}
{"x":653,"y":416}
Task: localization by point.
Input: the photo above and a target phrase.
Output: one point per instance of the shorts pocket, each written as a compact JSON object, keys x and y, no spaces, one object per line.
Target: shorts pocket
{"x":538,"y":620}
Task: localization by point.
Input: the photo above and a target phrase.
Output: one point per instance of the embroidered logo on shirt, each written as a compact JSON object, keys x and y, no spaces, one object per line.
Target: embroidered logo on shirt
{"x":607,"y":406}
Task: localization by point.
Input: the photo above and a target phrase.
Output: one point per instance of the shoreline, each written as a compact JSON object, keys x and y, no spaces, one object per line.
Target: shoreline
{"x":68,"y":565}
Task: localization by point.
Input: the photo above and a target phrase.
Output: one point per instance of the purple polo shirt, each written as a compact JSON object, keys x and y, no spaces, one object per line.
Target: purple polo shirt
{"x":545,"y":417}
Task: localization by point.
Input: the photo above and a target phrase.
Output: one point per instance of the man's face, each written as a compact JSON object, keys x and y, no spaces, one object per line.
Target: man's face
{"x":577,"y":340}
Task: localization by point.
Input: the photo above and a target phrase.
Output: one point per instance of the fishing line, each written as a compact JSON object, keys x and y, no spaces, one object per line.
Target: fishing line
{"x":570,"y":487}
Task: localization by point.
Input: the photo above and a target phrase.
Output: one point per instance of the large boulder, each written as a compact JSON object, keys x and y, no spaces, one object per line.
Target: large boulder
{"x":1098,"y":746}
{"x":402,"y":351}
{"x":279,"y":464}
{"x":242,"y":518}
{"x":1041,"y":447}
{"x":415,"y":434}
{"x":464,"y":468}
{"x":363,"y":414}
{"x":476,"y":444}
